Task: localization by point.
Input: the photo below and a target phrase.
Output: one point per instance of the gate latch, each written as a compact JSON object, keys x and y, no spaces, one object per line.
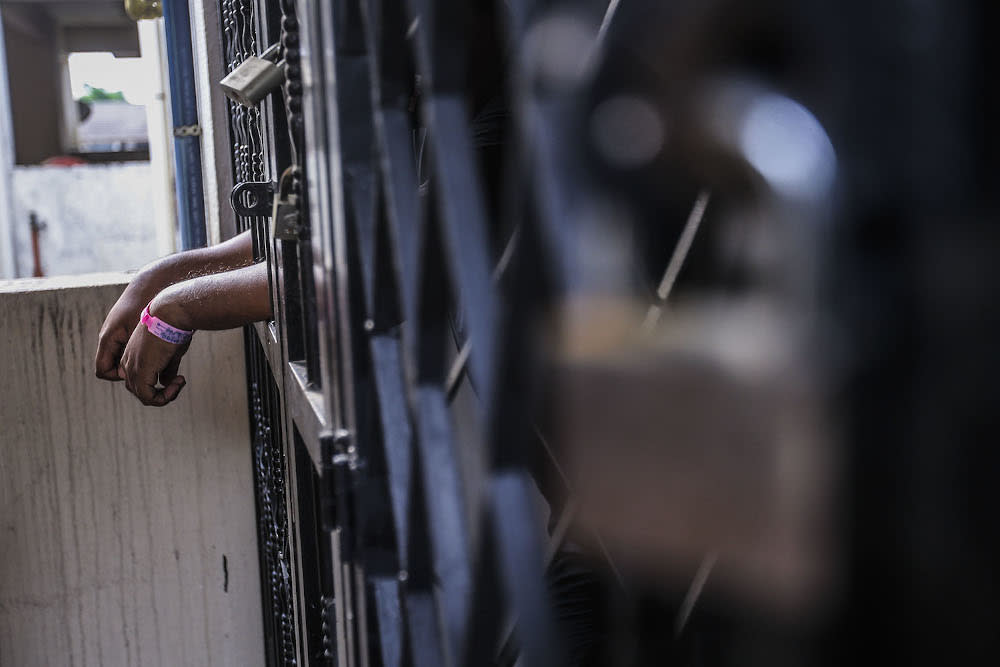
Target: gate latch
{"x":252,"y":198}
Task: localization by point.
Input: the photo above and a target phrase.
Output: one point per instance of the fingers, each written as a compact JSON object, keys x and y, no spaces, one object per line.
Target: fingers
{"x":149,"y":394}
{"x":172,"y":390}
{"x":146,"y":359}
{"x":170,"y":372}
{"x":109,"y":351}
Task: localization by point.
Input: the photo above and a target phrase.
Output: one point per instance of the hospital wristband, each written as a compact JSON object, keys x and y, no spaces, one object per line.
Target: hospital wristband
{"x":162,"y":330}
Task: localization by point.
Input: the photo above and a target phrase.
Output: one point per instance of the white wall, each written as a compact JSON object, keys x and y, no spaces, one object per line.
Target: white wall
{"x":115,"y":519}
{"x":100,"y":217}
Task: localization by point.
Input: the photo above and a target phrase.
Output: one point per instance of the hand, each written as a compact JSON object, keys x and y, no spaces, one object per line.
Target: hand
{"x":118,"y":326}
{"x":152,"y":280}
{"x":148,"y":360}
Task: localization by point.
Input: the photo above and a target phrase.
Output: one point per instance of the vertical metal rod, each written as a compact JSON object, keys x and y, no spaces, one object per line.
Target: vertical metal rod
{"x":677,"y":260}
{"x":184,"y":108}
{"x":36,"y":244}
{"x":694,"y":591}
{"x":609,"y":16}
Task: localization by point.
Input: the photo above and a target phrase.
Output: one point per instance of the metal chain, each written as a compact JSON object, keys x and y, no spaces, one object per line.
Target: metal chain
{"x":292,"y":90}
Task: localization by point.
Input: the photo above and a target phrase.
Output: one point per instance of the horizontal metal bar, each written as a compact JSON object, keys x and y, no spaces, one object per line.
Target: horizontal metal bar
{"x":267,"y":335}
{"x":305,"y":407}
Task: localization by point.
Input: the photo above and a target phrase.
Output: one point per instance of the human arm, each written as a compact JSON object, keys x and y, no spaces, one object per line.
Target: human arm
{"x":151,"y":280}
{"x":220,"y":301}
{"x":214,"y":302}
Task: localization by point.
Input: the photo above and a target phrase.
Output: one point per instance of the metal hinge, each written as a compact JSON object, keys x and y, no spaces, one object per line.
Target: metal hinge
{"x":187,"y":131}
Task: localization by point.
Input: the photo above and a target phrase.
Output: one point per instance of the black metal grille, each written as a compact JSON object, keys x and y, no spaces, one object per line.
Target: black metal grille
{"x":272,"y":517}
{"x":440,"y":518}
{"x":445,"y":176}
{"x":397,"y":304}
{"x":250,"y":162}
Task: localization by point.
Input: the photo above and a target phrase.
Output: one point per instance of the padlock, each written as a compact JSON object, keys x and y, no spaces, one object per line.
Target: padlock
{"x":285,"y":216}
{"x":255,"y":78}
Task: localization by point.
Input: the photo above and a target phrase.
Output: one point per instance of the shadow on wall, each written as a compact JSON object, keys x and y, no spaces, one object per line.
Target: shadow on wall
{"x":97,"y":217}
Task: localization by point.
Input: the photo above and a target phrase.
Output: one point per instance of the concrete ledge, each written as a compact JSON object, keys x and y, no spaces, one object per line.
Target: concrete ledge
{"x":65,"y":282}
{"x":127,"y":533}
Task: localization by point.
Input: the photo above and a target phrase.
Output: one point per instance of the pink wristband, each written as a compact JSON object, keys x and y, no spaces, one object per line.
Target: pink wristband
{"x":162,"y":330}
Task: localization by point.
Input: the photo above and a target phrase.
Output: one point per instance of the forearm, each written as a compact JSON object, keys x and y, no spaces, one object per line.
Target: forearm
{"x":235,"y":253}
{"x":218,"y":301}
{"x":150,"y":281}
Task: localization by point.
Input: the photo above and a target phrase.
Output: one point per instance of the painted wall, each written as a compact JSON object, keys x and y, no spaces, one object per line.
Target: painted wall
{"x":127,"y":533}
{"x":99,"y":217}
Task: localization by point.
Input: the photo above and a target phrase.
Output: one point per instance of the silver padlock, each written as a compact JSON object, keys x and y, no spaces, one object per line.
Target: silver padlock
{"x":255,"y":78}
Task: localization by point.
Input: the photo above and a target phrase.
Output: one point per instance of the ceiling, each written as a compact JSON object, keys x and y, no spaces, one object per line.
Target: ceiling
{"x":74,"y":13}
{"x":84,"y":25}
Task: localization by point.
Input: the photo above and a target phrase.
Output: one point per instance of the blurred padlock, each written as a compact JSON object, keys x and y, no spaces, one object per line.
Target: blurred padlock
{"x":255,"y":78}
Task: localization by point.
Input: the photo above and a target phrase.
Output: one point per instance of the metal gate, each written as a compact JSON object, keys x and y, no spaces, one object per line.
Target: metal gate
{"x":424,"y":161}
{"x":444,"y":174}
{"x":392,"y":529}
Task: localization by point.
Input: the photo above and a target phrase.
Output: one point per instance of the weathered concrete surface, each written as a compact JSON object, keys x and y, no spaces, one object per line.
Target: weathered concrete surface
{"x":98,"y":217}
{"x":127,"y":533}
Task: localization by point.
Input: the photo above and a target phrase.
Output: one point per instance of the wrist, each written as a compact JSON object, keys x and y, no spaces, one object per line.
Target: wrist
{"x":168,"y":307}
